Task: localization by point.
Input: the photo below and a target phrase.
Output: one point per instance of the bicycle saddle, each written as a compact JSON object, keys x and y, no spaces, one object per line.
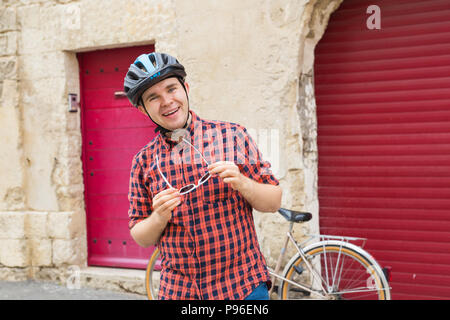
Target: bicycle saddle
{"x":295,"y":216}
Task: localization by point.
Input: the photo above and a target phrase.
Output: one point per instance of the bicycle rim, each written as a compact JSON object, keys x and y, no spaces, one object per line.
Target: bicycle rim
{"x":341,"y":273}
{"x":151,"y":283}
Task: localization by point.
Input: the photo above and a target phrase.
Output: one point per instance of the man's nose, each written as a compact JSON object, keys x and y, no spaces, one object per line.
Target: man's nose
{"x":165,"y":99}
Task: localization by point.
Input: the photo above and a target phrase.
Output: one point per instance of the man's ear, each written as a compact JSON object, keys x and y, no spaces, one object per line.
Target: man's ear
{"x":186,"y":85}
{"x":141,"y":109}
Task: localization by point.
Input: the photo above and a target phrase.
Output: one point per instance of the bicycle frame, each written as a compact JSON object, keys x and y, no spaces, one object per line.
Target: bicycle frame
{"x":289,"y":237}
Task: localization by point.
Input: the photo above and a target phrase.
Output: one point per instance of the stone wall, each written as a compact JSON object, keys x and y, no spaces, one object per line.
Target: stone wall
{"x":247,"y":61}
{"x":33,"y":241}
{"x":42,"y":217}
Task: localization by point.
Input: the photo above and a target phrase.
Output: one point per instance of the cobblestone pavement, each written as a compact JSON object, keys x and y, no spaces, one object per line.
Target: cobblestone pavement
{"x":36,"y":290}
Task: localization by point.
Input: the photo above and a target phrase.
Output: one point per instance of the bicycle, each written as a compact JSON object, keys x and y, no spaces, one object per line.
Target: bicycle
{"x":331,"y":268}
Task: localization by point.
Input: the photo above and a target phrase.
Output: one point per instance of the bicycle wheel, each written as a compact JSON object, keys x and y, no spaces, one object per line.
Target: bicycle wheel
{"x":336,"y":270}
{"x":152,"y":277}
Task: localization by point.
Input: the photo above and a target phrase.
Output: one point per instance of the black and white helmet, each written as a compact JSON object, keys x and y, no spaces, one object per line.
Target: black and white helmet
{"x":149,"y":69}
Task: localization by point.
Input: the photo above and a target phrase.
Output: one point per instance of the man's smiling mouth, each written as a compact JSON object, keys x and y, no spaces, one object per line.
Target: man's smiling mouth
{"x":171,"y":112}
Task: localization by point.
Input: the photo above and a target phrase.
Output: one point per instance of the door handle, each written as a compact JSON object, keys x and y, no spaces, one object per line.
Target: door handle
{"x":120,"y":94}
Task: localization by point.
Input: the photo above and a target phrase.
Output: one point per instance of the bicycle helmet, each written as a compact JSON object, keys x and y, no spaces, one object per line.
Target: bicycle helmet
{"x":149,"y":69}
{"x":146,"y":71}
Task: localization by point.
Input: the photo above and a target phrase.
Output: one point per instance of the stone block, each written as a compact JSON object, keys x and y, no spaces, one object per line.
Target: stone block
{"x":9,"y":97}
{"x":64,"y":225}
{"x":8,"y":68}
{"x":125,"y":280}
{"x":41,"y":66}
{"x":8,"y":19}
{"x":29,"y":17}
{"x":68,"y":172}
{"x":40,"y":154}
{"x":71,"y":197}
{"x":8,"y":43}
{"x":36,"y":225}
{"x":71,"y":145}
{"x":70,"y":252}
{"x":14,"y":252}
{"x":14,"y":274}
{"x":14,"y":196}
{"x":41,"y":252}
{"x":31,"y":41}
{"x":12,"y":226}
{"x":43,"y":273}
{"x":59,"y":225}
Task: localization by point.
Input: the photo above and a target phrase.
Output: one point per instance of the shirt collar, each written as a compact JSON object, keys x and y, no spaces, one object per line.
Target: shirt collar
{"x":166,"y":143}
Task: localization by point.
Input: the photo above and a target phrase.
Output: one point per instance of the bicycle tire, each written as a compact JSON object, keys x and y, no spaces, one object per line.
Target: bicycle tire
{"x":151,"y":286}
{"x":362,"y":274}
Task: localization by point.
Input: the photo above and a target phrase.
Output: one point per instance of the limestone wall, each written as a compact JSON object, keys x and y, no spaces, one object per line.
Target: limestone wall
{"x":247,"y":61}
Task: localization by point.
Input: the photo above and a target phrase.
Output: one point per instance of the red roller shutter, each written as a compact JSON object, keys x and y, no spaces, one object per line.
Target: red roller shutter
{"x":383,"y":108}
{"x":113,"y":132}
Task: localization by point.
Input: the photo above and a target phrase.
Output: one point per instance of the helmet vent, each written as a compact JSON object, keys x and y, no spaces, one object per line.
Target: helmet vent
{"x":133,"y":76}
{"x":140,"y":65}
{"x":152,"y":60}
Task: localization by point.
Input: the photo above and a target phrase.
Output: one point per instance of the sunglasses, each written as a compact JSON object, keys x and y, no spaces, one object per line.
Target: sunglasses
{"x":190,"y":187}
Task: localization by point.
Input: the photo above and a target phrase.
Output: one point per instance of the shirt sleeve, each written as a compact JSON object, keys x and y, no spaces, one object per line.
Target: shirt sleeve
{"x":250,"y":160}
{"x":138,"y":195}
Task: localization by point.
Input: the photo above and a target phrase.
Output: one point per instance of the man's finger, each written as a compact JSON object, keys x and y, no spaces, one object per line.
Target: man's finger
{"x":230,"y":179}
{"x":165,"y":192}
{"x":228,"y":173}
{"x":160,"y":201}
{"x":168,"y":205}
{"x":222,"y":167}
{"x":219,"y":164}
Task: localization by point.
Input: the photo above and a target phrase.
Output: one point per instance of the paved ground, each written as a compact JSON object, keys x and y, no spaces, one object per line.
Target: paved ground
{"x":34,"y":290}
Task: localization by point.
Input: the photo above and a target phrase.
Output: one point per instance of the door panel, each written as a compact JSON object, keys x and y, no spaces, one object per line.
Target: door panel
{"x":113,"y":132}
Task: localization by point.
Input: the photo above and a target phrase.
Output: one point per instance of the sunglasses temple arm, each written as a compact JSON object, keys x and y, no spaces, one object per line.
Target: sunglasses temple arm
{"x":168,"y":183}
{"x":201,"y":155}
{"x":162,"y":175}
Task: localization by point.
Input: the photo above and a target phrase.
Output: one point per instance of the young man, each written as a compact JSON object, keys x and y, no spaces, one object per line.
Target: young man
{"x":192,"y":190}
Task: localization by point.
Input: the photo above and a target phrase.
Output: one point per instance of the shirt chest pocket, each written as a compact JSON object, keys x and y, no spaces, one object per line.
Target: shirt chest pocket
{"x":215,"y":190}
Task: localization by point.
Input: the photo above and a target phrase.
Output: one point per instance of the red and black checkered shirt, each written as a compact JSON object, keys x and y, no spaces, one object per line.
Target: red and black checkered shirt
{"x":209,"y":249}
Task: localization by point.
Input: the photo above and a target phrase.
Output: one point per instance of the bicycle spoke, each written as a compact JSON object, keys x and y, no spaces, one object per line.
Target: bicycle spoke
{"x":343,"y":273}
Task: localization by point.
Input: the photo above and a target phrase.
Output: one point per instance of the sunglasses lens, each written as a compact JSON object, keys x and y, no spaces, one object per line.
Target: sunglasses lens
{"x":204,"y":178}
{"x":187,"y":189}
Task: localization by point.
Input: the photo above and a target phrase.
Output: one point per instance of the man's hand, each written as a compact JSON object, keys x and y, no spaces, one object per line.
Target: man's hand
{"x":164,"y":203}
{"x":147,"y":232}
{"x":229,"y":172}
{"x":262,"y":197}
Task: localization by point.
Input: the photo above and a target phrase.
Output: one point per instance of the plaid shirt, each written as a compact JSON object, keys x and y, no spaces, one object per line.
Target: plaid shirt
{"x":209,"y":249}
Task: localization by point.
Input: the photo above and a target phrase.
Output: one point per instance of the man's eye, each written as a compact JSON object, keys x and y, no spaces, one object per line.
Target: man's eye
{"x":172,"y":89}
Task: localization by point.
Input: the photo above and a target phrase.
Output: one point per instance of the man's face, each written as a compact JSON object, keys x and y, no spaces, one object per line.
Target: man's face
{"x":167,"y":103}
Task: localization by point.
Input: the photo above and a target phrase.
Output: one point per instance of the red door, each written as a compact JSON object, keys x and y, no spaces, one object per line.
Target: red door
{"x":383,"y":108}
{"x":113,"y":132}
